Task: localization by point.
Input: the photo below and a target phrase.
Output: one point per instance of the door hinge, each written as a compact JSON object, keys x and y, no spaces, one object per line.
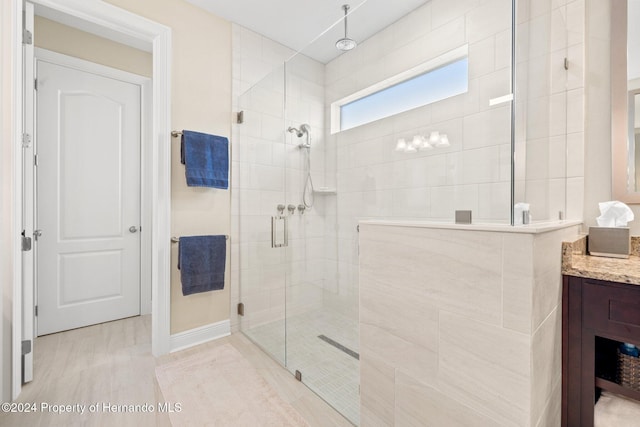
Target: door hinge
{"x":240,"y":117}
{"x":35,"y":160}
{"x":26,"y":347}
{"x":35,"y":84}
{"x":26,"y":140}
{"x":26,"y":242}
{"x":27,"y":37}
{"x":566,"y":63}
{"x":35,"y":310}
{"x":241,"y":309}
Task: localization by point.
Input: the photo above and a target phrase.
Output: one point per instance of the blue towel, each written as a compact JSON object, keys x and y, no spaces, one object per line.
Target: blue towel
{"x":206,"y":159}
{"x":201,"y":261}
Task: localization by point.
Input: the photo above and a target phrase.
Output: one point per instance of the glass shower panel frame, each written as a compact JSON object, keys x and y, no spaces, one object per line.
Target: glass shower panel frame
{"x":547,"y":88}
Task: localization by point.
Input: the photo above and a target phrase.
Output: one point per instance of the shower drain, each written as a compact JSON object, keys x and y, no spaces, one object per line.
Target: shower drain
{"x":339,"y":346}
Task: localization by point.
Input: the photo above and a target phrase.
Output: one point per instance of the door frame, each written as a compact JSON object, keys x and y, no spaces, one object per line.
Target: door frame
{"x":136,"y":30}
{"x":145,"y":160}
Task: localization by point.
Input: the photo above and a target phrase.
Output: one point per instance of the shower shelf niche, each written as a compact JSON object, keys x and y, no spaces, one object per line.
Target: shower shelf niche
{"x":322,"y":191}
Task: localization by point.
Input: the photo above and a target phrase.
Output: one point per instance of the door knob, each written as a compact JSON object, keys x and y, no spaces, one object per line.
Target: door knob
{"x":133,"y":229}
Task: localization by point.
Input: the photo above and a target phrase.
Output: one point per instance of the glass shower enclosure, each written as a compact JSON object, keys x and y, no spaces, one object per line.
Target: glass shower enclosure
{"x":287,"y":227}
{"x":302,"y":189}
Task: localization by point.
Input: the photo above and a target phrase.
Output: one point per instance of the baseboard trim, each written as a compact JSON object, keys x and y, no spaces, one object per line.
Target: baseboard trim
{"x":192,"y":337}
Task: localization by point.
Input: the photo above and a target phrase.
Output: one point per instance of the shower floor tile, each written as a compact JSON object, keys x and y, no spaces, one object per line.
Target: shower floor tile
{"x":326,"y":369}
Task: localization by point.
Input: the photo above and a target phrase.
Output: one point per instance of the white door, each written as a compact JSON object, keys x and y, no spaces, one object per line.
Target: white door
{"x":88,"y":198}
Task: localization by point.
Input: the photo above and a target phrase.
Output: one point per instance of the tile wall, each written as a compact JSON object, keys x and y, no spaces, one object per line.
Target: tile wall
{"x":474,"y":338}
{"x":373,"y":180}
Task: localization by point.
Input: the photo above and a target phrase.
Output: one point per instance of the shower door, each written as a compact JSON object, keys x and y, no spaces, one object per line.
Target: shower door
{"x":260,"y":217}
{"x":286,"y":237}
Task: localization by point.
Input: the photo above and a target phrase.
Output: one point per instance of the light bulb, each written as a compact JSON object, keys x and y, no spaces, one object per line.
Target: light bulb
{"x":434,"y":137}
{"x":426,"y":146}
{"x":410,"y":149}
{"x":401,"y":145}
{"x":417,"y":141}
{"x":444,"y":141}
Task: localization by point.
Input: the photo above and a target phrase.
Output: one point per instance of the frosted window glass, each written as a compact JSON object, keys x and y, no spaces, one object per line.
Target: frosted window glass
{"x":434,"y":85}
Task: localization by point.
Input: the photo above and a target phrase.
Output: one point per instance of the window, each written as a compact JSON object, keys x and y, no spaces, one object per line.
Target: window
{"x":435,"y":80}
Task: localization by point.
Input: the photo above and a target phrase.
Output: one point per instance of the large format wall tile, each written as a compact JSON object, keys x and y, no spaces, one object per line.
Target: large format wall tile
{"x":546,"y":368}
{"x":517,"y":282}
{"x":418,"y":323}
{"x":485,"y":366}
{"x":464,"y":268}
{"x":419,"y":405}
{"x":412,"y":359}
{"x":379,"y":378}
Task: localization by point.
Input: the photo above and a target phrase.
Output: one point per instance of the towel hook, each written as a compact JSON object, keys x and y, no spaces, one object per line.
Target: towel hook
{"x":176,"y":133}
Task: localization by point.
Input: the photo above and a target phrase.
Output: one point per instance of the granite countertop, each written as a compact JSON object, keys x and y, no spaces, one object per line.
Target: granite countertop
{"x":576,"y":262}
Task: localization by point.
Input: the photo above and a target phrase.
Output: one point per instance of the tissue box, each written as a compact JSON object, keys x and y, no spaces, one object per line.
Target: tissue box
{"x":612,"y":242}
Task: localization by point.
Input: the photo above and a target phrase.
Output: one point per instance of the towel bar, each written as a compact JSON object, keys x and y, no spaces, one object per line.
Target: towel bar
{"x":177,"y":239}
{"x":176,"y":133}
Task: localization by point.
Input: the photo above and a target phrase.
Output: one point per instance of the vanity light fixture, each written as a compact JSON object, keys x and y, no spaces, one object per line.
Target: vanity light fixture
{"x":422,"y":143}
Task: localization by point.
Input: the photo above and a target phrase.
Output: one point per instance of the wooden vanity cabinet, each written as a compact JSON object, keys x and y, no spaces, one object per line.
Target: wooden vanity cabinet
{"x":596,"y":316}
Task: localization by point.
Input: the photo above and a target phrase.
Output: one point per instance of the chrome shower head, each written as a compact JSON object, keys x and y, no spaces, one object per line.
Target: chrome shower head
{"x":304,"y":129}
{"x":346,"y":43}
{"x":298,"y":132}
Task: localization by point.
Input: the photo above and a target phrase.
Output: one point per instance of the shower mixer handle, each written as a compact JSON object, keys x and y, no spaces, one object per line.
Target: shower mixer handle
{"x":291,"y":209}
{"x":280,"y":209}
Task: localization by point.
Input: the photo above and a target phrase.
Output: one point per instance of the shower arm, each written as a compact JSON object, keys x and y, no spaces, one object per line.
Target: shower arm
{"x":304,"y":129}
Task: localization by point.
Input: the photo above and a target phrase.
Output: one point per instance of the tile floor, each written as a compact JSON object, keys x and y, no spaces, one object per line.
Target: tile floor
{"x":112,"y":363}
{"x":332,"y":373}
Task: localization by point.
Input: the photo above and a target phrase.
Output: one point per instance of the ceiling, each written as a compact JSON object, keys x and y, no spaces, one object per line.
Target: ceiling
{"x":296,"y":23}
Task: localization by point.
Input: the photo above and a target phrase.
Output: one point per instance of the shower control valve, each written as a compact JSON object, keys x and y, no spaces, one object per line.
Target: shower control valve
{"x":291,"y":209}
{"x":301,"y":209}
{"x":280,"y":209}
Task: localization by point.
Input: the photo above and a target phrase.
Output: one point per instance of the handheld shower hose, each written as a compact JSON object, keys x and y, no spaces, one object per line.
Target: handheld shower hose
{"x":307,"y":193}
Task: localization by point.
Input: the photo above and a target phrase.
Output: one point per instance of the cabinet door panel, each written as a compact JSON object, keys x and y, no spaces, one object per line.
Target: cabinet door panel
{"x":612,"y":309}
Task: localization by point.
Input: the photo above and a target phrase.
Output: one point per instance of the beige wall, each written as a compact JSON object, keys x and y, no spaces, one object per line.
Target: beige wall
{"x":201,"y":100}
{"x":70,"y":41}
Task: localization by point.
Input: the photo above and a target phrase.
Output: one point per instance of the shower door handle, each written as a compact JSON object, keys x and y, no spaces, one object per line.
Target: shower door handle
{"x":286,"y":231}
{"x":279,"y":231}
